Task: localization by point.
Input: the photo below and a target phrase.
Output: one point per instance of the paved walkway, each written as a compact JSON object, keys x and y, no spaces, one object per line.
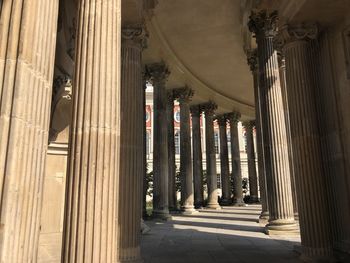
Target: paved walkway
{"x":229,"y":235}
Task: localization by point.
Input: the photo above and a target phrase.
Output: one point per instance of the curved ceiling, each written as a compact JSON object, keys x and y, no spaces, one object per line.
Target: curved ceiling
{"x":201,"y":42}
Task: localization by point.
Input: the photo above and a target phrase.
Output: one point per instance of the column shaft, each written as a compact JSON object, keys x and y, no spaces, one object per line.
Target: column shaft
{"x":132,"y":166}
{"x":91,"y":212}
{"x":224,"y":163}
{"x":171,"y":152}
{"x":27,"y":53}
{"x":274,"y":126}
{"x":197,"y":157}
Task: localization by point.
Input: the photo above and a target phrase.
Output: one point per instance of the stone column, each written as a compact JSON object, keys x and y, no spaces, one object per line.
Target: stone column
{"x":224,"y":163}
{"x":27,"y":55}
{"x":159,"y":74}
{"x":310,"y":178}
{"x":209,"y":109}
{"x":281,"y":220}
{"x":236,"y":159}
{"x":253,"y":64}
{"x":171,"y":153}
{"x":253,"y":178}
{"x":197,"y":157}
{"x":91,"y":212}
{"x":184,"y":96}
{"x":282,"y":69}
{"x":132,"y":166}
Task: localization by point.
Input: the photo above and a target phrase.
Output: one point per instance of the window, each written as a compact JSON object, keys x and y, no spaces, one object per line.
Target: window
{"x":177,"y":116}
{"x":216,"y":138}
{"x":177,"y":142}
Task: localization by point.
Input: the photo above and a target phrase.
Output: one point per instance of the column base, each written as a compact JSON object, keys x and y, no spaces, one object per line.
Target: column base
{"x":239,"y":202}
{"x":225,"y":202}
{"x":296,"y":216}
{"x":254,"y":199}
{"x":161,"y":214}
{"x":282,"y":228}
{"x":214,"y":206}
{"x":188,"y":210}
{"x":264,"y":218}
{"x":322,"y":255}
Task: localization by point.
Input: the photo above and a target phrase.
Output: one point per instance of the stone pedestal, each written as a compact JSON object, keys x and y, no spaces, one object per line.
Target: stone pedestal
{"x":236,"y":159}
{"x":132,"y":167}
{"x":27,"y":55}
{"x":91,"y":217}
{"x":184,"y":95}
{"x":159,"y":74}
{"x":171,"y":153}
{"x":281,"y":220}
{"x":209,"y":109}
{"x":197,"y":157}
{"x":224,"y":163}
{"x":310,"y":177}
{"x":253,"y":178}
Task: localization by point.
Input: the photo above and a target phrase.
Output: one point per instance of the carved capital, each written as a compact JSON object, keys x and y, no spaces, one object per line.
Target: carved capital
{"x":221,"y":119}
{"x":196,"y":111}
{"x":233,"y":117}
{"x":209,"y":108}
{"x":158,"y":73}
{"x":183,"y":94}
{"x":249,"y":125}
{"x":252,"y":59}
{"x":170,"y":95}
{"x":263,"y":23}
{"x":135,"y":34}
{"x":300,"y":32}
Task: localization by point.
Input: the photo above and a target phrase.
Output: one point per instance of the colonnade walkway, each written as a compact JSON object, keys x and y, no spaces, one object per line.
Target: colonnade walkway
{"x":228,"y":235}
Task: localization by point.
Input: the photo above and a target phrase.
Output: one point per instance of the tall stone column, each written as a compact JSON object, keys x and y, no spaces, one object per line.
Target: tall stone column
{"x":253,"y":178}
{"x":263,"y":24}
{"x":209,"y":109}
{"x":224,"y":163}
{"x":184,"y":96}
{"x":310,"y":177}
{"x":27,"y":55}
{"x":282,"y":69}
{"x":171,"y":152}
{"x":91,"y":214}
{"x":159,"y":75}
{"x":236,"y":159}
{"x":253,"y":64}
{"x":132,"y":166}
{"x":197,"y":157}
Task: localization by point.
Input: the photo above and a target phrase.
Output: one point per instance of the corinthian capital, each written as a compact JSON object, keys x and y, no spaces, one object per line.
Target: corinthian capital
{"x":158,"y":73}
{"x":252,"y":59}
{"x":196,"y":110}
{"x":209,"y":107}
{"x":300,"y":32}
{"x":222,"y":120}
{"x":183,"y":94}
{"x":135,"y":34}
{"x":263,"y":22}
{"x":233,"y":117}
{"x":249,"y":125}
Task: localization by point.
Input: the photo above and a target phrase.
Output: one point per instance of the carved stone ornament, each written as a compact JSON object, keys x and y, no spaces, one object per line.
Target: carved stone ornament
{"x":252,"y":59}
{"x":249,"y":125}
{"x":299,"y":32}
{"x":183,"y":94}
{"x":233,"y":117}
{"x":221,"y":119}
{"x":196,"y":110}
{"x":209,"y":107}
{"x":263,"y":22}
{"x":136,"y":34}
{"x":158,"y":73}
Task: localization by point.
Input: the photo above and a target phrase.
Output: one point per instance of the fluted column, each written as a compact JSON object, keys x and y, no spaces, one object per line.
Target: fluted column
{"x":184,"y":96}
{"x":263,"y":24}
{"x":27,"y":54}
{"x":253,"y":64}
{"x":171,"y":152}
{"x":253,"y":178}
{"x":197,"y":156}
{"x":310,"y":178}
{"x":282,"y":71}
{"x":132,"y":167}
{"x":224,"y":163}
{"x":91,"y":216}
{"x":236,"y":159}
{"x":159,"y":75}
{"x":209,"y":109}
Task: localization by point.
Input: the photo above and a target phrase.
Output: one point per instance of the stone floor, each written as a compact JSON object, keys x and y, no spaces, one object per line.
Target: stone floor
{"x":229,"y":235}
